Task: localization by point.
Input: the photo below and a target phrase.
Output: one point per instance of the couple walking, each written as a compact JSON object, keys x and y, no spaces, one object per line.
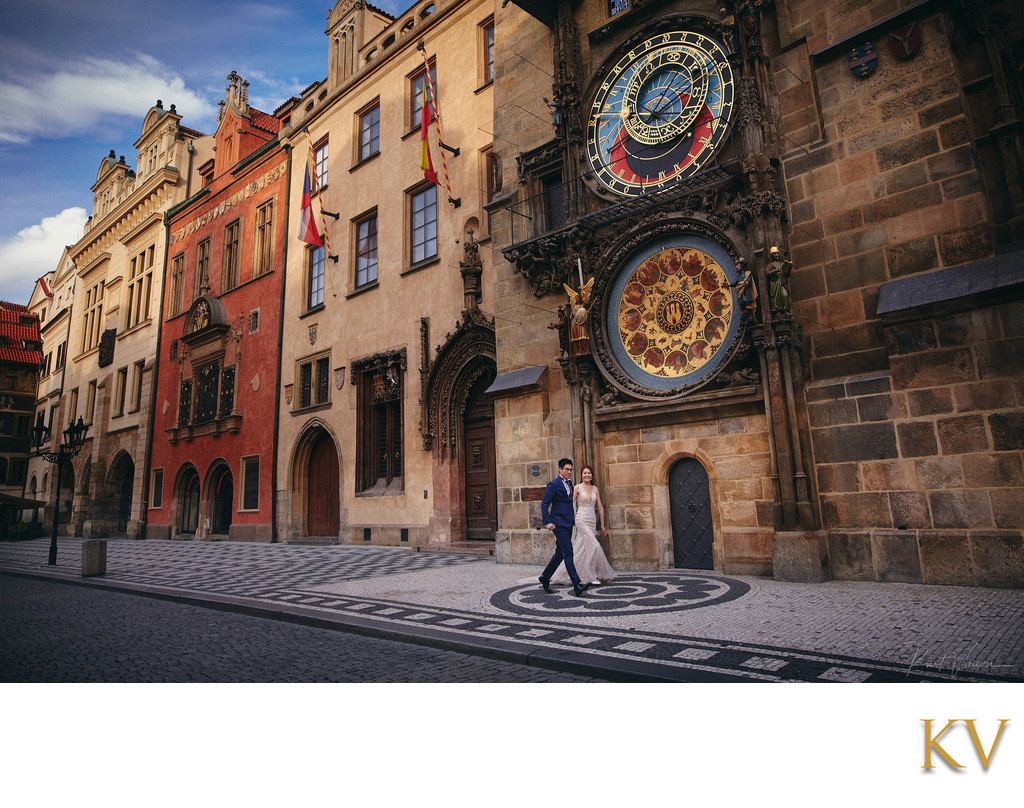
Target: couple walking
{"x":578,"y":558}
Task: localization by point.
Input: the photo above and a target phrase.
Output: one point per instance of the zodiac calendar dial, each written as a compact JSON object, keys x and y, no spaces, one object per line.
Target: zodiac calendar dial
{"x":675,"y":314}
{"x":661,"y":112}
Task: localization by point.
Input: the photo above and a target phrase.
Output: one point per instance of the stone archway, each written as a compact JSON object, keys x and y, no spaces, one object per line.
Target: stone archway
{"x":120,"y":484}
{"x":185,"y":502}
{"x":314,"y":495}
{"x":221,"y":494}
{"x":455,"y":381}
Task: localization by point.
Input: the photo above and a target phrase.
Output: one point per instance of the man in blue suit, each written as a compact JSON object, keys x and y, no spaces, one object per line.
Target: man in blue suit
{"x":557,"y":513}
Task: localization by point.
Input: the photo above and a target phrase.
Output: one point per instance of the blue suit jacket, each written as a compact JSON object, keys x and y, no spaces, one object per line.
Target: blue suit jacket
{"x":556,"y":507}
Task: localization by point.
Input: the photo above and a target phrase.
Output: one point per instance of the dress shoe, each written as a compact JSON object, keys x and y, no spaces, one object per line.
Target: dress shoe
{"x":579,"y":590}
{"x":545,"y":583}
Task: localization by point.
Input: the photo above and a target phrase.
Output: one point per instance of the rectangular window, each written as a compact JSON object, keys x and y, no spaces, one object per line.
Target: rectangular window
{"x":229,"y":270}
{"x":369,"y":132}
{"x":254,"y":321}
{"x":416,"y":102}
{"x":250,"y":484}
{"x":617,"y":7}
{"x":62,"y":353}
{"x":424,"y":224}
{"x":202,"y":278}
{"x":176,"y":294}
{"x":157,"y":489}
{"x":263,"y":258}
{"x":320,"y":156}
{"x":314,"y":381}
{"x":316,"y":278}
{"x":140,"y":287}
{"x":136,"y":404}
{"x":554,"y":200}
{"x":488,"y":33}
{"x":120,"y":388}
{"x":366,"y":251}
{"x":73,"y":406}
{"x":92,"y":321}
{"x":90,"y":403}
{"x":379,"y":419}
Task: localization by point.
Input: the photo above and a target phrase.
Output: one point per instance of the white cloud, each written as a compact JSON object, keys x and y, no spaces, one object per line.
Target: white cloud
{"x":35,"y":251}
{"x":75,"y":99}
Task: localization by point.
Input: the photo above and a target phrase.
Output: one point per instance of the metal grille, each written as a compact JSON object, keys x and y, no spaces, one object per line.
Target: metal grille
{"x":690,"y":502}
{"x":185,"y":403}
{"x":227,"y":391}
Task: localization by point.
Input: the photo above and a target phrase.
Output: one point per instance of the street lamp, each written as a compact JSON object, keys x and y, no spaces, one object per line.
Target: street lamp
{"x":74,"y":437}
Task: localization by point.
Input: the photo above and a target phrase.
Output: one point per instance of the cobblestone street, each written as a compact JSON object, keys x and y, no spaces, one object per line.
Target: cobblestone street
{"x":51,"y":632}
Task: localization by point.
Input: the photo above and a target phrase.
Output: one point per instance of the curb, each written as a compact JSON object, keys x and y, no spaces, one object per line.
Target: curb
{"x":579,"y":663}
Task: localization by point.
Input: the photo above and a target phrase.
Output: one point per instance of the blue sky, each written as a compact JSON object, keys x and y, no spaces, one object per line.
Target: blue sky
{"x":77,"y":78}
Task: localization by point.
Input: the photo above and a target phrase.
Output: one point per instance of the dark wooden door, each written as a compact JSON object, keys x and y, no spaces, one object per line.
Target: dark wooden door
{"x":690,"y":502}
{"x":322,"y":506}
{"x":223,"y":501}
{"x":481,"y":480}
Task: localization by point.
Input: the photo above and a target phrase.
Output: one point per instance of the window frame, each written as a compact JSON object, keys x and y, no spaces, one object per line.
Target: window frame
{"x":313,"y":276}
{"x":321,"y":163}
{"x":120,"y":391}
{"x":367,"y":149}
{"x":202,"y":267}
{"x":358,"y":241}
{"x":156,"y":489}
{"x":176,"y":294}
{"x":244,"y":464}
{"x":90,"y":403}
{"x":415,"y":194}
{"x":415,"y":105}
{"x":487,"y":51}
{"x":231,"y":259}
{"x":136,"y":400}
{"x":263,"y":240}
{"x":380,"y":454}
{"x":319,"y":365}
{"x":140,"y":287}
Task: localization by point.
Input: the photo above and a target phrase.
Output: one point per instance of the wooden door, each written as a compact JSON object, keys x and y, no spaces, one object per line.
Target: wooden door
{"x":481,"y":480}
{"x":323,"y":512}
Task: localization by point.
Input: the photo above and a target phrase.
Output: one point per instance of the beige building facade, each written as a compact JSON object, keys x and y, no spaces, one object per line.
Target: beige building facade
{"x":386,"y":434}
{"x":113,"y":333}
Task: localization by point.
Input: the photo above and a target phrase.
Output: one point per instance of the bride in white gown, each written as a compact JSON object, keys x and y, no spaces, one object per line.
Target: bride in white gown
{"x":587,"y":554}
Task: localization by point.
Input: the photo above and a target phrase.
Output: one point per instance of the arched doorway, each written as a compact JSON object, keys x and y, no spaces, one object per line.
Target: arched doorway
{"x":481,"y":480}
{"x":188,"y":519}
{"x":690,"y":503}
{"x":122,"y":480}
{"x":222,"y":492}
{"x":323,"y":514}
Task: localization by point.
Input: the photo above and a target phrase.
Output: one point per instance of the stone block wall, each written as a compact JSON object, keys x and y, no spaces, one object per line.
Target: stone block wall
{"x":921,"y":469}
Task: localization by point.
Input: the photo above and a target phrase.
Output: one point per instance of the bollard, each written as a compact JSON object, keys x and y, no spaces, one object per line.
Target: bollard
{"x":94,"y":557}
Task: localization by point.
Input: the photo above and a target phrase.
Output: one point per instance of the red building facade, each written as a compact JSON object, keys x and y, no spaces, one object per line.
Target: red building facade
{"x":212,"y":463}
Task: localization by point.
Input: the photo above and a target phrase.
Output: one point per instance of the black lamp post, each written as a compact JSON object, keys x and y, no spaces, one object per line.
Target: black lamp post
{"x":74,"y":437}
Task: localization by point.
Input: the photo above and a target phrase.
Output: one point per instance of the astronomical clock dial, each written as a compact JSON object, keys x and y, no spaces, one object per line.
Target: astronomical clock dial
{"x":661,"y":113}
{"x":673,"y":312}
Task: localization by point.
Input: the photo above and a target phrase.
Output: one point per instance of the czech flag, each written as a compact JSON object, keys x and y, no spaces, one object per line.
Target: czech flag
{"x":425,"y":162}
{"x":307,"y":222}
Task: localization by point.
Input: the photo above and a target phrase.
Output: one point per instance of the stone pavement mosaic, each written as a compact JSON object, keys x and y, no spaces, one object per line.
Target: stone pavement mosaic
{"x":673,"y":624}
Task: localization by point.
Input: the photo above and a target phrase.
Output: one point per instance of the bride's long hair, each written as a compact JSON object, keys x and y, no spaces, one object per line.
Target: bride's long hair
{"x":586,"y":468}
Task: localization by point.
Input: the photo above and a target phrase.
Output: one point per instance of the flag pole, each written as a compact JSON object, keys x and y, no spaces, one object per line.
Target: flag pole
{"x":316,"y":184}
{"x":437,"y":124}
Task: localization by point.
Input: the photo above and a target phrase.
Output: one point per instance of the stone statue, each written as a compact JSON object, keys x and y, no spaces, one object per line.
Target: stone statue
{"x":778,"y":271}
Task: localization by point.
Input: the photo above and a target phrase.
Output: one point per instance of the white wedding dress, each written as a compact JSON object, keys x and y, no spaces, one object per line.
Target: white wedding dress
{"x":587,"y":555}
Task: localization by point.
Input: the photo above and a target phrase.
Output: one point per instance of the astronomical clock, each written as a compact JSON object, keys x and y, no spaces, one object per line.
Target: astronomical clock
{"x":670,"y":313}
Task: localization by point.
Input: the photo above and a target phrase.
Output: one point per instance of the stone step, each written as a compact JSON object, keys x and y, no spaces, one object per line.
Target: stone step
{"x":474,"y":548}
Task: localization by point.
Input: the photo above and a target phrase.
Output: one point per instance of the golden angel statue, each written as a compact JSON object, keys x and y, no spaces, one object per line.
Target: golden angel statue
{"x":579,"y":308}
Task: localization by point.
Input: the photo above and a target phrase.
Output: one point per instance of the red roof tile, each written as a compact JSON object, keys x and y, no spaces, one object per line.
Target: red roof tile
{"x":19,"y":356}
{"x":268,"y":123}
